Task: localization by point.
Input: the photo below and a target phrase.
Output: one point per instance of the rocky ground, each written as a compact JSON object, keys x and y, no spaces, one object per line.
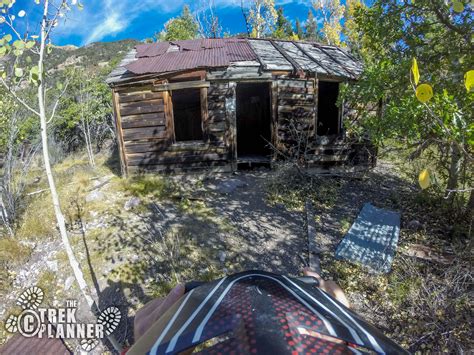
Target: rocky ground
{"x":137,"y":238}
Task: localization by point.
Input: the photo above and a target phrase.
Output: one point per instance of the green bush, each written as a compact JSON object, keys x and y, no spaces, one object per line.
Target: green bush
{"x":151,"y":185}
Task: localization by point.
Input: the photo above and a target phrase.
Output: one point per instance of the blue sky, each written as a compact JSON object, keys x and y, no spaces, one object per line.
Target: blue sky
{"x":109,"y":20}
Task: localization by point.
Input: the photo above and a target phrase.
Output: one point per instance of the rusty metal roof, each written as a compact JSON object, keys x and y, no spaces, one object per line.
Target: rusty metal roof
{"x":165,"y":57}
{"x":175,"y":56}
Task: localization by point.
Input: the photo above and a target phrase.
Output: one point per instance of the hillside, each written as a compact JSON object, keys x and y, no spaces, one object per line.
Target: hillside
{"x":94,"y":55}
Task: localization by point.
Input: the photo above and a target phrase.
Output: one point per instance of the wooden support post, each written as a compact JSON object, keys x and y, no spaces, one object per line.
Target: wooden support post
{"x":169,"y":119}
{"x":118,"y":127}
{"x":274,"y":127}
{"x":316,"y":103}
{"x":204,"y":114}
{"x":231,"y":114}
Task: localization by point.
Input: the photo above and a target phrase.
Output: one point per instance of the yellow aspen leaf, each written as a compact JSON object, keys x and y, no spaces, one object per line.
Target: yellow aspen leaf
{"x":415,"y":72}
{"x":458,"y":6}
{"x":424,"y":93}
{"x":424,"y":179}
{"x":469,"y":80}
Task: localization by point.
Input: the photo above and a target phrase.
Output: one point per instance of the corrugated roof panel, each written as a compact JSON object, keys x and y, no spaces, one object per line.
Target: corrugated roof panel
{"x":174,"y":61}
{"x":189,"y":44}
{"x":239,"y":50}
{"x":151,"y":49}
{"x":215,"y":53}
{"x":213,"y":43}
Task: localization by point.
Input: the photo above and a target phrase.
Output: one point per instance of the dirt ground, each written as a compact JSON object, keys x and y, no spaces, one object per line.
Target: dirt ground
{"x":137,"y":238}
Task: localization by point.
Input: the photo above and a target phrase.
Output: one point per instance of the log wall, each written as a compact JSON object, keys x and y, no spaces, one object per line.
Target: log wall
{"x":296,"y":112}
{"x":146,"y":131}
{"x":145,"y":125}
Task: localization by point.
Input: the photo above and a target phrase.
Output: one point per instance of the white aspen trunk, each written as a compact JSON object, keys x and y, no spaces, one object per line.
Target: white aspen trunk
{"x":79,"y":276}
{"x":87,"y":137}
{"x":86,"y":130}
{"x":5,"y":217}
{"x":47,"y":165}
{"x":89,"y":142}
{"x":258,"y":20}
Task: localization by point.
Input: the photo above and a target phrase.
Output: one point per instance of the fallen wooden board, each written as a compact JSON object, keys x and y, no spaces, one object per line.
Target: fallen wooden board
{"x":313,"y":249}
{"x":426,"y":253}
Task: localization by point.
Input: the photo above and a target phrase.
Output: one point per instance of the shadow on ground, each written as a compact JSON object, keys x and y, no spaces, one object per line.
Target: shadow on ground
{"x":216,"y":228}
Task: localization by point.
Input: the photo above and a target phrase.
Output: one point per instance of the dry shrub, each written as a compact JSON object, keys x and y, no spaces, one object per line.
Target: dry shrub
{"x":291,"y":187}
{"x":420,"y":304}
{"x":431,"y":304}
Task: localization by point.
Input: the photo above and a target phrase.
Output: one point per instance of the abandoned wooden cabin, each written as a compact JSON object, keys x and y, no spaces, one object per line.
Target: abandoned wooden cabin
{"x":218,"y":103}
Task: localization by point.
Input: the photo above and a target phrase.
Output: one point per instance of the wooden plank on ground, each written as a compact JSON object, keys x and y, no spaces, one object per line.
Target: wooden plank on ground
{"x":313,"y":249}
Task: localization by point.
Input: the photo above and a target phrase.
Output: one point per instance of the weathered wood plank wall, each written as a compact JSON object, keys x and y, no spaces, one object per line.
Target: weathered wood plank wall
{"x":145,"y":124}
{"x":145,"y":121}
{"x":295,"y":112}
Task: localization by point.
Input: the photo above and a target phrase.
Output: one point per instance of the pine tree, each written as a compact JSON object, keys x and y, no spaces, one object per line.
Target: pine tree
{"x":283,"y":28}
{"x":299,"y":29}
{"x":311,"y":28}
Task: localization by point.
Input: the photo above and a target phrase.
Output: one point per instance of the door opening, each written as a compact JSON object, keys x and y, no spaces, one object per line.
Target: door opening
{"x":328,"y":112}
{"x":253,"y":121}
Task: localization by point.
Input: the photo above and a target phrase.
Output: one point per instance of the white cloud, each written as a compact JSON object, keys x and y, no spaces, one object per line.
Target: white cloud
{"x":102,"y":18}
{"x":112,"y":25}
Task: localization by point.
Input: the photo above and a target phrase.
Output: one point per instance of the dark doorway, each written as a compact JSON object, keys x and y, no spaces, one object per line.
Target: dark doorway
{"x":328,"y":112}
{"x":253,"y":120}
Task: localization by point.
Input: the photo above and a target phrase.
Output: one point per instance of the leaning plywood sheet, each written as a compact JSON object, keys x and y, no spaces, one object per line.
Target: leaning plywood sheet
{"x":269,"y":56}
{"x":372,"y":239}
